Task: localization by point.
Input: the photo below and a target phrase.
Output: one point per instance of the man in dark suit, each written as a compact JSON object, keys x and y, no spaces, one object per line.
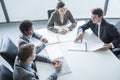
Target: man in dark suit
{"x":28,"y":33}
{"x":104,"y":30}
{"x":24,"y":66}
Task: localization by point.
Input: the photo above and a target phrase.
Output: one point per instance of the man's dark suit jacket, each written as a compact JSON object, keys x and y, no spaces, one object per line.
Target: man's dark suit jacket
{"x":22,"y":72}
{"x":108,"y":33}
{"x":24,"y":40}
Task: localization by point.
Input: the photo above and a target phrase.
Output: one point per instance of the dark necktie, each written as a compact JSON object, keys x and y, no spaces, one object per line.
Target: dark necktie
{"x":96,"y":29}
{"x":35,"y":70}
{"x":34,"y":66}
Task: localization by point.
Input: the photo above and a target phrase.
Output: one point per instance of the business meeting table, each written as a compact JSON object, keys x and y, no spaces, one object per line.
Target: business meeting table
{"x":88,"y":64}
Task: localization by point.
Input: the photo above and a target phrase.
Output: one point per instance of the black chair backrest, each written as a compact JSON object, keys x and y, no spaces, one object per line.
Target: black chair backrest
{"x":5,"y":73}
{"x":118,"y":26}
{"x":50,"y":12}
{"x":8,"y":50}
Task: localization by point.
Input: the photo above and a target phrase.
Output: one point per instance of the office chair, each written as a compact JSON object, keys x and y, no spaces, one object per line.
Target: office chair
{"x":118,"y":26}
{"x":50,"y":12}
{"x":117,"y":50}
{"x":8,"y":50}
{"x":5,"y":73}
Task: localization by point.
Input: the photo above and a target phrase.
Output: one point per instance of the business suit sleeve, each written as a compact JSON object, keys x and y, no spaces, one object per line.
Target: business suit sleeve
{"x":50,"y":25}
{"x":52,"y":77}
{"x":42,"y":58}
{"x":22,"y":42}
{"x":37,"y":36}
{"x":40,"y":47}
{"x":25,"y":75}
{"x":115,"y":34}
{"x":72,"y":20}
{"x":28,"y":76}
{"x":85,"y":26}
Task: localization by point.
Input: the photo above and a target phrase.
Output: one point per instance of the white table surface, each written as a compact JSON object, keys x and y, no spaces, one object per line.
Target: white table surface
{"x":97,"y":65}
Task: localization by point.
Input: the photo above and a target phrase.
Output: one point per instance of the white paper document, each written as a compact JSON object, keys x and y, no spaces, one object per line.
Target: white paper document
{"x":55,"y":53}
{"x":77,"y":46}
{"x":84,"y":46}
{"x":52,"y":39}
{"x":94,"y":46}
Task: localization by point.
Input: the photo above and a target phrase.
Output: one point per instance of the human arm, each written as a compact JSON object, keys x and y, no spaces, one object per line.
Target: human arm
{"x":50,"y":24}
{"x":112,"y":37}
{"x":81,"y":31}
{"x":40,"y":37}
{"x":53,"y":76}
{"x":72,"y":20}
{"x":115,"y":35}
{"x":57,"y":64}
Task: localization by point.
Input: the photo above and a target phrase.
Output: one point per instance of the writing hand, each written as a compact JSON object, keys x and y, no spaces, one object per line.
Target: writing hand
{"x":58,"y":66}
{"x":79,"y":37}
{"x":44,"y":40}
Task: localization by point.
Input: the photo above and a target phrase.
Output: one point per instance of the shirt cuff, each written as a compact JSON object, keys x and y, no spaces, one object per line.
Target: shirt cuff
{"x":48,"y":60}
{"x":80,"y":31}
{"x":112,"y":45}
{"x":55,"y":73}
{"x":41,"y":38}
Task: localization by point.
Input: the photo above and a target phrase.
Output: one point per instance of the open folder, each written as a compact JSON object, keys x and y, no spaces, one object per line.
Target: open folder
{"x":94,"y":46}
{"x":55,"y":53}
{"x":84,"y":46}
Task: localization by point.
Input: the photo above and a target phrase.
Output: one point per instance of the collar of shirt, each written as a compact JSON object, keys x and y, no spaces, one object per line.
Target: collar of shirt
{"x":99,"y":29}
{"x":99,"y":23}
{"x":29,"y":38}
{"x":29,"y":65}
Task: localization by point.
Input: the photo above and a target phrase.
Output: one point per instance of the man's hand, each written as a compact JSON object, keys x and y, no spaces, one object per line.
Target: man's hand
{"x":55,"y":61}
{"x":107,"y":46}
{"x":58,"y":66}
{"x":79,"y":37}
{"x":44,"y":40}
